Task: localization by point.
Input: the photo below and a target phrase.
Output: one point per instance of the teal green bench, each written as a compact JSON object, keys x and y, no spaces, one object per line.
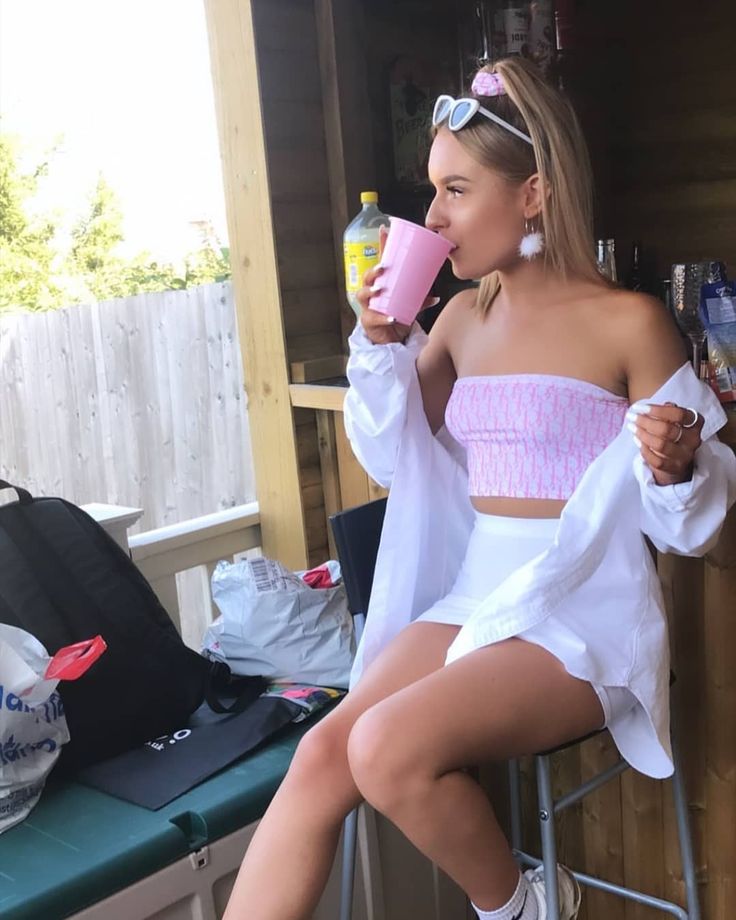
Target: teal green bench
{"x":79,"y":845}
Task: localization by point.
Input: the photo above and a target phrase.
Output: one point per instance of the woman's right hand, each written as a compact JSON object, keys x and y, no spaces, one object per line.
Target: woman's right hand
{"x":381,"y":329}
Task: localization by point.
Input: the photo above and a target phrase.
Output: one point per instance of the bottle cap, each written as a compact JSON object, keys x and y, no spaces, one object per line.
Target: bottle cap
{"x":369,"y":197}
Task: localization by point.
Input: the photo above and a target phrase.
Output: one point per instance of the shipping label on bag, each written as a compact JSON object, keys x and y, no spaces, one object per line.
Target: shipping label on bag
{"x":269,"y":575}
{"x":275,"y":625}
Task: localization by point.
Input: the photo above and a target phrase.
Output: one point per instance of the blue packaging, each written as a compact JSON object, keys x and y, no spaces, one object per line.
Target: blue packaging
{"x":718,"y":313}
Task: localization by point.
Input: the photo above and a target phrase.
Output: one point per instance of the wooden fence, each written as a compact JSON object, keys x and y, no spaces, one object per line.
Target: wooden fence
{"x":138,"y":402}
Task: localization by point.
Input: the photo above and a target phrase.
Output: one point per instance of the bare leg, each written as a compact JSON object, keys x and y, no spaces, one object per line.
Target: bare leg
{"x":289,"y":859}
{"x":406,"y":754}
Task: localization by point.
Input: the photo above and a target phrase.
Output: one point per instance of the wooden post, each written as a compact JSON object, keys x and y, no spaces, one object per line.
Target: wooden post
{"x":255,"y":278}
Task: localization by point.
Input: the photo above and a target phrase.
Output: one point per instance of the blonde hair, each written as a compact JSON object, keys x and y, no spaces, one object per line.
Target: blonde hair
{"x":560,"y":156}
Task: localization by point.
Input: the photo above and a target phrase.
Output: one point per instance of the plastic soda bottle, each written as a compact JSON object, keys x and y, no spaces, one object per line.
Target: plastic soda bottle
{"x":360,"y":245}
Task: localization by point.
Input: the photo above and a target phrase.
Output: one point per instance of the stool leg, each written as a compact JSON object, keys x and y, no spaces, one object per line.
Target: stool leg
{"x":515,"y":803}
{"x":685,"y":837}
{"x":547,"y":831}
{"x":347,"y":879}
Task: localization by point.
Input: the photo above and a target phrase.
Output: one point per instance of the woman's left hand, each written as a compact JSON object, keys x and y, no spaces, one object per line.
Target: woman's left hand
{"x":668,"y":437}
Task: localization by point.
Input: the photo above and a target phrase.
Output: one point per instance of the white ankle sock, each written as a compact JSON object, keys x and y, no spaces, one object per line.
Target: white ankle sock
{"x":522,"y":906}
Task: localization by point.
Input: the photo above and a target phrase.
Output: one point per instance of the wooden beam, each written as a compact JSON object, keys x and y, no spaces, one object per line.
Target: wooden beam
{"x":330,"y":470}
{"x":255,"y":277}
{"x":316,"y":369}
{"x":348,"y":135}
{"x":317,"y":396}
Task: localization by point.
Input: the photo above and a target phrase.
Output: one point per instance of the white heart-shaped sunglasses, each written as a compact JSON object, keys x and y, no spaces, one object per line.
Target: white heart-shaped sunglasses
{"x":458,"y":113}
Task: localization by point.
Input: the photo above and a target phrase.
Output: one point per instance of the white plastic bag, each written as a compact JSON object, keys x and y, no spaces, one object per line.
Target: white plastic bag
{"x":273,"y":624}
{"x":32,"y":723}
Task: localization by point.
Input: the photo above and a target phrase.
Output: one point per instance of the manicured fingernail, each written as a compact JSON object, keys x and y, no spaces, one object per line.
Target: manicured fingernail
{"x":433,"y":301}
{"x":632,"y":427}
{"x":390,"y":319}
{"x":632,"y":416}
{"x":375,"y":289}
{"x":640,"y":410}
{"x":637,"y":441}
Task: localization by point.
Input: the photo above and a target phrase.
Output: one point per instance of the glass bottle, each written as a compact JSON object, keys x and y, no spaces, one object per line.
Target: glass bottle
{"x":516,"y":26}
{"x":634,"y":280}
{"x":360,"y":245}
{"x":666,"y":295}
{"x":607,"y":259}
{"x":542,"y":34}
{"x":564,"y":42}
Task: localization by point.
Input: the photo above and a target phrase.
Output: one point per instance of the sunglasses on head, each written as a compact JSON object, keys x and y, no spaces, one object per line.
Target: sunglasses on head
{"x":458,"y":112}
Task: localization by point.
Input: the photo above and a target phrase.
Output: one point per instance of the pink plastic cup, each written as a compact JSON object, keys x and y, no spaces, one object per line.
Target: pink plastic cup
{"x":411,"y":260}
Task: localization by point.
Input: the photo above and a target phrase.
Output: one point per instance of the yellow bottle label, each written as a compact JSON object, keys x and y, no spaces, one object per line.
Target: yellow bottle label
{"x":359,"y":257}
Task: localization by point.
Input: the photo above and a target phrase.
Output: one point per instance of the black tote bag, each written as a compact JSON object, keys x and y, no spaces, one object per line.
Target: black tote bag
{"x":64,"y":579}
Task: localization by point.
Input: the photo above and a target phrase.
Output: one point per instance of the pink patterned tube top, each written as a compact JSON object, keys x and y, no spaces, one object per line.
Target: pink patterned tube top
{"x":531,"y":435}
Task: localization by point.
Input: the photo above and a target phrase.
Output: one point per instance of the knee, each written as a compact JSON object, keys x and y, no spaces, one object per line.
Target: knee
{"x":379,"y":762}
{"x":320,"y":751}
{"x":319,"y":768}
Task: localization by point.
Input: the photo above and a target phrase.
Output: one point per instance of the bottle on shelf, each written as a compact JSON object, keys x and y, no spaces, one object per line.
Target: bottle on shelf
{"x":665,"y":287}
{"x":541,"y":34}
{"x":634,"y":281}
{"x":564,"y":42}
{"x":516,"y":19}
{"x":360,"y":245}
{"x":607,"y":259}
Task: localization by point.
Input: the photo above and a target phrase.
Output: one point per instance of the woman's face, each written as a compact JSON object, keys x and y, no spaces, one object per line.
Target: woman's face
{"x":474,"y":208}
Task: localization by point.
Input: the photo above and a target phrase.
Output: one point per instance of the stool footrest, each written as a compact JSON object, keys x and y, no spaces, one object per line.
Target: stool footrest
{"x":599,"y":779}
{"x":603,"y":885}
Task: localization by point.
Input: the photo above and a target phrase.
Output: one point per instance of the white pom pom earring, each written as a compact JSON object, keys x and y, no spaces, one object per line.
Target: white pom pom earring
{"x":532,"y":243}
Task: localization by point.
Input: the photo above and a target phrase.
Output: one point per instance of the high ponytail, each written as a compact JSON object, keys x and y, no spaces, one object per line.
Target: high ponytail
{"x":559,"y":155}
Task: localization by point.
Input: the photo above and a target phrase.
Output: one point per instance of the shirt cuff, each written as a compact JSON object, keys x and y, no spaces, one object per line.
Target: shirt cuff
{"x":380,"y":358}
{"x":676,"y":497}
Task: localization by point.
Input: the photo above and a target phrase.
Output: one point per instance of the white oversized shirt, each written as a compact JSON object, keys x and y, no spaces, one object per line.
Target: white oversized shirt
{"x":429,"y":517}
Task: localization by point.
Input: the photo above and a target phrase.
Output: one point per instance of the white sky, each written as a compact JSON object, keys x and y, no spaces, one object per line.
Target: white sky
{"x":128,"y":85}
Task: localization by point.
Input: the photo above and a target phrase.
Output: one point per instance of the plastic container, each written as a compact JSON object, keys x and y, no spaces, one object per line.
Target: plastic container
{"x":360,"y":245}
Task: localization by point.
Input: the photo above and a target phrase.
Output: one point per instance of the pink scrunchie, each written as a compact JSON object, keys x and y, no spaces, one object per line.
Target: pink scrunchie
{"x":487,"y":84}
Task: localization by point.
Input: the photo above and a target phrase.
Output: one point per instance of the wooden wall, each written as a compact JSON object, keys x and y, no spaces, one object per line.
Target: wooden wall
{"x":294,"y":125}
{"x":291,"y":93}
{"x":657,"y":83}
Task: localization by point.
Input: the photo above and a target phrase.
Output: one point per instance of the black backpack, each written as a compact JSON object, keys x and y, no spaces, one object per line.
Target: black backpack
{"x":64,"y":579}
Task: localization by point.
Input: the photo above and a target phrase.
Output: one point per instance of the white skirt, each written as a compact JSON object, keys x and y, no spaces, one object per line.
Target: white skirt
{"x":497,"y":546}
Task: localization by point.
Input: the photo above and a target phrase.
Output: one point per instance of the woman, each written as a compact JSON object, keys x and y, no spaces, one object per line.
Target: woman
{"x":515,"y":605}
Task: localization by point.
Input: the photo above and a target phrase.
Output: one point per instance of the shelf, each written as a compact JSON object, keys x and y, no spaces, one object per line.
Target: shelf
{"x":318,"y":396}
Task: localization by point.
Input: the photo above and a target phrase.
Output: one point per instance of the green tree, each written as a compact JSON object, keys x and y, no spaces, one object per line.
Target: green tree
{"x":37,"y":271}
{"x":206,"y":265}
{"x":30,"y":267}
{"x":93,"y":258}
{"x":94,"y":239}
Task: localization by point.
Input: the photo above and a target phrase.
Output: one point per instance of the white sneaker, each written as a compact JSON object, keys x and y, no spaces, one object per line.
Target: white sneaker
{"x":567,"y":887}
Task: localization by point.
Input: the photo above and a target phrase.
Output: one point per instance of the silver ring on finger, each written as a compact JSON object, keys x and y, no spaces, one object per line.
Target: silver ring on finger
{"x":694,"y":422}
{"x":679,"y":432}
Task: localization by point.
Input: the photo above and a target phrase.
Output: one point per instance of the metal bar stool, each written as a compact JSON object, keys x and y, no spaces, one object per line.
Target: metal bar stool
{"x":549,"y":808}
{"x":357,"y":533}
